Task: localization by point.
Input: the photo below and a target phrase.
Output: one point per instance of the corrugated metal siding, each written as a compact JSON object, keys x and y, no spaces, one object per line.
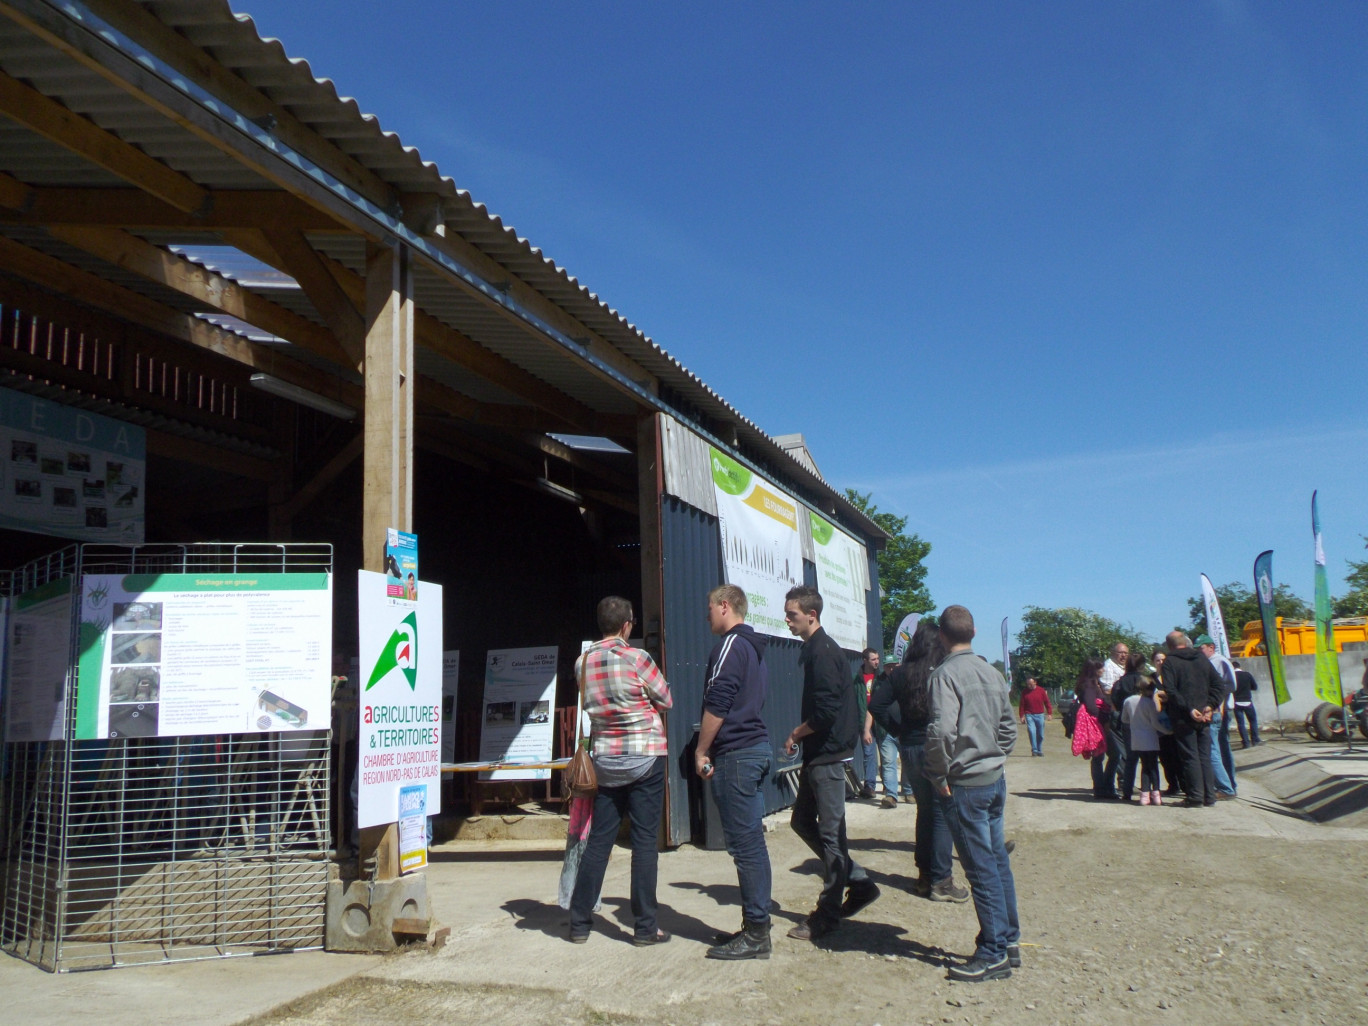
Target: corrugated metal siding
{"x":692,"y":566}
{"x":687,"y":470}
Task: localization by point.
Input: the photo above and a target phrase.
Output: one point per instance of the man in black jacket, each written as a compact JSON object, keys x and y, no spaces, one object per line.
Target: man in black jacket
{"x":1192,"y":690}
{"x":734,"y":754}
{"x":831,"y":728}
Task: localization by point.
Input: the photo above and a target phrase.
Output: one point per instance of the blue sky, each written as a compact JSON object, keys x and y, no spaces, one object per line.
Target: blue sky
{"x":1078,"y":288}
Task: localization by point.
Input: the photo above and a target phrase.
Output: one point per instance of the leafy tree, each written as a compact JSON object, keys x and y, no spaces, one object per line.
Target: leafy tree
{"x":1355,"y":602}
{"x":902,"y":572}
{"x":1052,"y":644}
{"x":1240,"y":606}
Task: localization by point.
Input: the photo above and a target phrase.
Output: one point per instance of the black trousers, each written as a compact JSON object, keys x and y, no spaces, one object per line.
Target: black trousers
{"x":1243,"y":712}
{"x":1194,"y":749}
{"x":1172,"y":763}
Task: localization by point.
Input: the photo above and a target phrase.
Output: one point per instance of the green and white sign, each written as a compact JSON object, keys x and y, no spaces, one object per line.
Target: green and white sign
{"x":519,"y":710}
{"x":69,"y":472}
{"x":168,"y":655}
{"x":400,"y":700}
{"x":843,"y":580}
{"x":762,"y":553}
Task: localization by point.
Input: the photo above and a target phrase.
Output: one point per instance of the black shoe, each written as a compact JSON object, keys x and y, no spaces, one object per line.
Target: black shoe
{"x":866,"y":792}
{"x":659,"y":937}
{"x":1014,"y":955}
{"x":1191,"y":803}
{"x":720,"y":938}
{"x":814,"y":926}
{"x":976,"y":970}
{"x":858,"y":896}
{"x":751,"y":942}
{"x":1010,"y":846}
{"x":579,"y":938}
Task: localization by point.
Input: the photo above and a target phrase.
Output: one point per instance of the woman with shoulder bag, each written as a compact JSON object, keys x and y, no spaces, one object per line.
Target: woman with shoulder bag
{"x":624,"y":693}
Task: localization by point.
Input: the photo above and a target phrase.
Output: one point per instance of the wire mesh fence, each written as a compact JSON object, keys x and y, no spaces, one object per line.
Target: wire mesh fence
{"x":154,"y":849}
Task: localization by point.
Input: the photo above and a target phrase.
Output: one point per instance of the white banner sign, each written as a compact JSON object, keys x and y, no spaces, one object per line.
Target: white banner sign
{"x":451,"y":674}
{"x":167,"y":655}
{"x":400,"y":698}
{"x":762,"y":552}
{"x":68,"y":472}
{"x":38,"y":659}
{"x":1215,"y":621}
{"x":843,"y":580}
{"x":519,"y":710}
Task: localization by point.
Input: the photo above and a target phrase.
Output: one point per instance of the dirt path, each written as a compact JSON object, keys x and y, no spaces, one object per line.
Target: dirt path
{"x":1242,"y":913}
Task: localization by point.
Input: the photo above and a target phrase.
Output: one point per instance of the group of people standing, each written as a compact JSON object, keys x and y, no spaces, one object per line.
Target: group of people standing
{"x":946,"y":709}
{"x":1171,"y":711}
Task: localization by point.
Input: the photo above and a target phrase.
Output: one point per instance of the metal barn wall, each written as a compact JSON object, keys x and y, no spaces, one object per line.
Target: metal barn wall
{"x":692,"y":566}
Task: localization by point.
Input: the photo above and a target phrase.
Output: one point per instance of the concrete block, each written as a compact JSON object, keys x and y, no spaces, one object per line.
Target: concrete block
{"x":362,"y":914}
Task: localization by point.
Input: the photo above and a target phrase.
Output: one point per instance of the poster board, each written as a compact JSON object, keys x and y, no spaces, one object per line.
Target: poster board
{"x":451,"y":675}
{"x":412,"y":819}
{"x":399,"y":698}
{"x":762,"y":552}
{"x":68,"y":472}
{"x":170,"y":655}
{"x":38,"y":662}
{"x":518,"y":719}
{"x":843,"y":580}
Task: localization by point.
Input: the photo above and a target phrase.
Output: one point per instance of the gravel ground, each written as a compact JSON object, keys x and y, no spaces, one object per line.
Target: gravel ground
{"x":1243,"y":913}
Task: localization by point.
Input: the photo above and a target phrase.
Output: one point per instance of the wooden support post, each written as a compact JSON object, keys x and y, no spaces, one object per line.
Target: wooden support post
{"x":387,"y":453}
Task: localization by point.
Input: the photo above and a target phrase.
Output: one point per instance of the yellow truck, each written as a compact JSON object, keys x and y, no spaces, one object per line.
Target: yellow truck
{"x":1298,"y":637}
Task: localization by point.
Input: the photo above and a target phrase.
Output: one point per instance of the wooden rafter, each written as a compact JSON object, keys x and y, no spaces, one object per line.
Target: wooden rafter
{"x":133,"y":208}
{"x":214,"y":291}
{"x":47,"y":117}
{"x":14,"y":194}
{"x":302,"y":262}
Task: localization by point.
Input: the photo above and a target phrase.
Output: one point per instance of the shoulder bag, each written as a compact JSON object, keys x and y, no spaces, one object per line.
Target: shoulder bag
{"x":580,"y":779}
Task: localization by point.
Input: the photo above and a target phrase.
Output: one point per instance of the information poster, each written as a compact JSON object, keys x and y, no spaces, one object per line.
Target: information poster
{"x":69,"y":472}
{"x":843,"y":580}
{"x":412,"y":827}
{"x":762,"y":552}
{"x":38,"y":660}
{"x":401,"y":564}
{"x":451,"y":673}
{"x":166,"y":655}
{"x":399,"y":698}
{"x":519,"y":711}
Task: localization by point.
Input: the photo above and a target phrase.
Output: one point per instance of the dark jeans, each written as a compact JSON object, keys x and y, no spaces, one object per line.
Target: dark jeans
{"x":819,"y":819}
{"x":975,"y":817}
{"x":1170,"y":760}
{"x":934,"y":843}
{"x":1194,"y":749}
{"x":1118,"y":741}
{"x":1103,"y":778}
{"x":1149,"y":774}
{"x":736,"y":780}
{"x":641,"y":801}
{"x":1246,"y":712}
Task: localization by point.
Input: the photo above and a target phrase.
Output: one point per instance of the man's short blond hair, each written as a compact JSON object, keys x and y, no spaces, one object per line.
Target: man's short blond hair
{"x":732,"y":595}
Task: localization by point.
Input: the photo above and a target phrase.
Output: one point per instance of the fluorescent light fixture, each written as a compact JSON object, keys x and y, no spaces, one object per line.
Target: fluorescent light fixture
{"x":303,"y":396}
{"x":590,"y":443}
{"x":560,"y":491}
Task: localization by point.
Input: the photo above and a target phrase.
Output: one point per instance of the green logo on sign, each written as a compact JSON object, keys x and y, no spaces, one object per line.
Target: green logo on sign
{"x":821,"y":530}
{"x":729,"y":475}
{"x":400,"y":653}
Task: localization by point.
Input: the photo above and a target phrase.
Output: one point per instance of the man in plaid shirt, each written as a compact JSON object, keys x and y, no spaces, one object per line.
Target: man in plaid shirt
{"x":624,"y":694}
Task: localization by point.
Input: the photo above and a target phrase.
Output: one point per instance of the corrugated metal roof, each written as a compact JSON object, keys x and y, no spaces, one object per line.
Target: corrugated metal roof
{"x":263,"y":64}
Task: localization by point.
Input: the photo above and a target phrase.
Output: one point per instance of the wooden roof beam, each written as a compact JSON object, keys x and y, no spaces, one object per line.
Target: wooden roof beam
{"x":133,"y":208}
{"x":14,"y":194}
{"x":301,"y":261}
{"x":212,"y":290}
{"x":27,"y":106}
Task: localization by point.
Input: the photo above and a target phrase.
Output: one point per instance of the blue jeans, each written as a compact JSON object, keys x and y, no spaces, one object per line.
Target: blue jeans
{"x":1035,"y":730}
{"x":932,"y":857}
{"x":975,"y":817}
{"x":736,"y":780}
{"x":867,"y":764}
{"x":640,"y":801}
{"x":888,"y":765}
{"x":1220,"y":739}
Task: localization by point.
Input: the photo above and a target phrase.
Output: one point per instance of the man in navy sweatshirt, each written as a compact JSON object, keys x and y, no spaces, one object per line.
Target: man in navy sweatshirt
{"x":735,"y":754}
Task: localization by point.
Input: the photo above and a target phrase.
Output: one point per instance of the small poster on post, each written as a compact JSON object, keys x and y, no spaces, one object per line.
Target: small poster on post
{"x":401,"y":565}
{"x":519,"y":715}
{"x":412,"y":827}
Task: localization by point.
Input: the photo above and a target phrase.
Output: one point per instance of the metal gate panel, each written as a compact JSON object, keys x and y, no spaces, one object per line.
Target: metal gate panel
{"x":141,"y":850}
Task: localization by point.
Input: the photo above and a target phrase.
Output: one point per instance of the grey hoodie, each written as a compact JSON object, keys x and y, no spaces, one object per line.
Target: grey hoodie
{"x":972,"y":727}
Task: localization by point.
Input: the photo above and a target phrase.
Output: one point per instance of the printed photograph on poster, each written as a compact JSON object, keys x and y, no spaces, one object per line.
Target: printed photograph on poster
{"x":519,"y":698}
{"x":401,"y":564}
{"x":399,"y":706}
{"x":168,"y":655}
